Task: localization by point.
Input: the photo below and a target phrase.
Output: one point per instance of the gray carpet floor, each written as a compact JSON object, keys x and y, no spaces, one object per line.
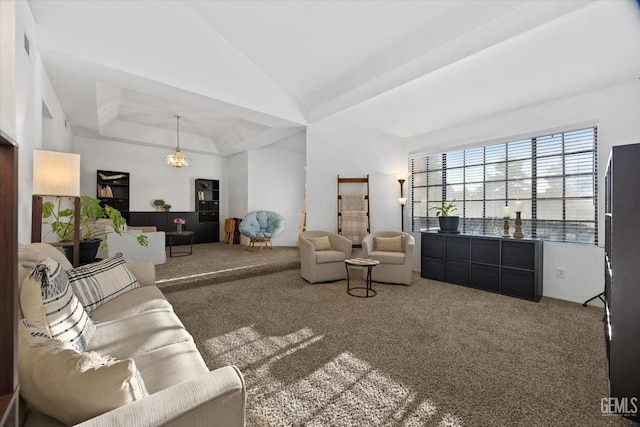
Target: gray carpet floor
{"x":430,"y":354}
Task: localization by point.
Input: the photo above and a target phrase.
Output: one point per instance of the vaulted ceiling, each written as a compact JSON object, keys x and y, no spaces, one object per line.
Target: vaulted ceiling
{"x":245,"y":74}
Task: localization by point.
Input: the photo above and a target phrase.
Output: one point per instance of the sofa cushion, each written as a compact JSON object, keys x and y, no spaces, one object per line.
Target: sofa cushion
{"x":389,"y":244}
{"x":324,"y":257}
{"x":48,"y":302}
{"x":388,"y":257}
{"x":96,"y":283}
{"x":131,"y":303}
{"x":169,"y":365}
{"x":139,"y":334}
{"x":31,"y":254}
{"x":321,"y":243}
{"x":72,"y":386}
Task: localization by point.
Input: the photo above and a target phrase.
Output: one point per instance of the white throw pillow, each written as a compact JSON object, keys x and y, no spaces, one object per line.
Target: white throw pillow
{"x":48,"y":303}
{"x":389,"y":244}
{"x":96,"y":283}
{"x":321,"y":243}
{"x":71,"y":386}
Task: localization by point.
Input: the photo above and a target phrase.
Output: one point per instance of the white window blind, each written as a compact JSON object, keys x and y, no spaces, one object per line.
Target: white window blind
{"x":554,"y":176}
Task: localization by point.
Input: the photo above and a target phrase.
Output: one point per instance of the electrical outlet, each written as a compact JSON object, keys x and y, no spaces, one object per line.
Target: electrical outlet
{"x":561,"y":272}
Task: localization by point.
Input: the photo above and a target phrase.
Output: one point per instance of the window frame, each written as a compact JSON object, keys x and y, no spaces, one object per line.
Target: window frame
{"x":532,"y":161}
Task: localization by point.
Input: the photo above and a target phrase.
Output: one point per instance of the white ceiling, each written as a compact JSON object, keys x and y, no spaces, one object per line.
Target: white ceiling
{"x":244,"y":74}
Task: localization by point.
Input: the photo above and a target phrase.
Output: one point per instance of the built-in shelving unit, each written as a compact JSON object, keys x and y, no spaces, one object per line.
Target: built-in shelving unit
{"x":504,"y":265}
{"x":207,"y":195}
{"x":622,"y":278}
{"x":112,"y":188}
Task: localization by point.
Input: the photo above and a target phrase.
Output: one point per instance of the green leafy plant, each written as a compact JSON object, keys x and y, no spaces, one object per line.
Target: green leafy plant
{"x":446,"y":209}
{"x":62,"y":220}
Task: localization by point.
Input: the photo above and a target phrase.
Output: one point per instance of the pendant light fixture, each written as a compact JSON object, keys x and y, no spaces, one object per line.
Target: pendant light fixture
{"x":177,"y":159}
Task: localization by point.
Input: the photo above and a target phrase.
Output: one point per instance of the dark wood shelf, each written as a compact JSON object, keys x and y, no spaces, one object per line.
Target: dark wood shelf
{"x":207,"y":196}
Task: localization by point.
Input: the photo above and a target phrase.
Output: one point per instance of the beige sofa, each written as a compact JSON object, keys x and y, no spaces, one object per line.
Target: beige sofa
{"x":140,"y":328}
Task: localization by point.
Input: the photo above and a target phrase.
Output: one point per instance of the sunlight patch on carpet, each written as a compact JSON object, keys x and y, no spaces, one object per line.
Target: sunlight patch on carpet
{"x":202,"y":275}
{"x":345,"y":391}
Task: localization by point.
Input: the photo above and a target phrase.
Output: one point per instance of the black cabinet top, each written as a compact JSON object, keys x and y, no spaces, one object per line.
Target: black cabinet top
{"x":482,"y":236}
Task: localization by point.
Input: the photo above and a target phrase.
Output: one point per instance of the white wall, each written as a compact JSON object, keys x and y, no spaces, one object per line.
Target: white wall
{"x":33,"y":88}
{"x":614,"y":110}
{"x":7,"y":67}
{"x":238,"y":185}
{"x":335,"y":148}
{"x":150,"y":177}
{"x":276,"y":183}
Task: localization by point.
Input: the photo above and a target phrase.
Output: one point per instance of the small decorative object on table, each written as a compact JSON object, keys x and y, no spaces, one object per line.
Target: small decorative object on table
{"x":181,"y":222}
{"x":518,"y":233}
{"x":506,"y":213}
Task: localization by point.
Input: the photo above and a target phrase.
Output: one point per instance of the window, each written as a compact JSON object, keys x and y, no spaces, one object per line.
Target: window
{"x":554,"y":176}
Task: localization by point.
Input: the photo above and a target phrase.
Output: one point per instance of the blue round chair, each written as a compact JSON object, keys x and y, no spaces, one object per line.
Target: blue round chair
{"x":260,"y":227}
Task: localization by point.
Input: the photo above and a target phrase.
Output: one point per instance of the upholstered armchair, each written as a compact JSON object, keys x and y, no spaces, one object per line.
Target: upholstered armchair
{"x":322,"y":256}
{"x":261,"y":227}
{"x":394,"y":250}
{"x":127,"y":243}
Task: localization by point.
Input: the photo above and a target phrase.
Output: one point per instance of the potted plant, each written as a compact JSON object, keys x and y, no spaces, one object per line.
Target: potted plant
{"x":448,"y":223}
{"x":62,"y":221}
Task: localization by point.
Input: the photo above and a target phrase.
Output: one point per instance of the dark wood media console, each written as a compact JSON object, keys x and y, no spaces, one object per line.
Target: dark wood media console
{"x":504,"y":265}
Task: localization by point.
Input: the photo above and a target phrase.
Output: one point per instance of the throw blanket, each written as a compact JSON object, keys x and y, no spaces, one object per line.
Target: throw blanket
{"x":352,"y":202}
{"x":354,"y":225}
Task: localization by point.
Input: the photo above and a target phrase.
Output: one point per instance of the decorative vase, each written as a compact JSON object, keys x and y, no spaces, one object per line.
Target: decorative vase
{"x":180,"y":228}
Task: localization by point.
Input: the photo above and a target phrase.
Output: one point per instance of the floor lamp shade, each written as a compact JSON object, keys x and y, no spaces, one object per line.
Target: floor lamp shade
{"x":56,"y":173}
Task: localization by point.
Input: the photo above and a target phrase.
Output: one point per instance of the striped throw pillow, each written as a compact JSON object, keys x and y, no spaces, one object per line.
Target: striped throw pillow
{"x":48,"y":303}
{"x":94,"y":284}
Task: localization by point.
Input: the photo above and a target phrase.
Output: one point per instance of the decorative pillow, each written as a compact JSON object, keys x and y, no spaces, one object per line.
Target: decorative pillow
{"x":96,"y":283}
{"x":321,"y":243}
{"x":48,"y":303}
{"x":389,"y":244}
{"x":71,"y":386}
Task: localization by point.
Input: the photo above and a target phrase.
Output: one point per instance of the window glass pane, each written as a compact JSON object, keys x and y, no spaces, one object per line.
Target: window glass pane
{"x":418,"y":164}
{"x":419,"y":209}
{"x":455,"y":192}
{"x":435,"y":162}
{"x":419,"y":179}
{"x":549,"y":209}
{"x":474,"y":174}
{"x":496,"y":171}
{"x":494,"y":209}
{"x":579,"y":209}
{"x":473,"y":209}
{"x":549,"y":188}
{"x":519,"y":169}
{"x":474,"y":191}
{"x":549,"y":145}
{"x":579,"y":186}
{"x":434,"y":194}
{"x":549,"y":166}
{"x":455,"y":159}
{"x":520,"y":189}
{"x":579,"y":163}
{"x":455,"y":176}
{"x":496,"y":153}
{"x":496,"y":190}
{"x":580,"y":140}
{"x":419,"y":194}
{"x":474,"y":156}
{"x":519,"y":150}
{"x":435,"y":178}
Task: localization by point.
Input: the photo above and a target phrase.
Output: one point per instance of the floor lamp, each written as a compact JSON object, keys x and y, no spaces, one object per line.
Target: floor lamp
{"x":56,"y":174}
{"x":401,"y":177}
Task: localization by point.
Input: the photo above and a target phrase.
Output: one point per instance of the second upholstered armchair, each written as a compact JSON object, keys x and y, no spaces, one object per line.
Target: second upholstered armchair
{"x":322,"y":256}
{"x":394,"y":250}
